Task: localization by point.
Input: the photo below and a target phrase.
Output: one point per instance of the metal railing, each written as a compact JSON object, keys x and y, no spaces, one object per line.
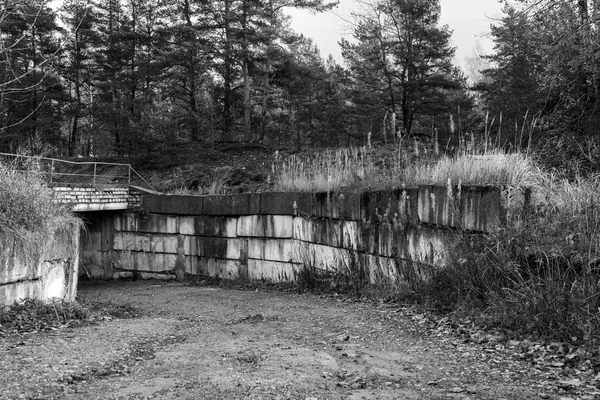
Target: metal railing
{"x":62,"y":172}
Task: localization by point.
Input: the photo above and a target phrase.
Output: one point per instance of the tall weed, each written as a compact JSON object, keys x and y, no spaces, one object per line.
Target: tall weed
{"x":29,"y":216}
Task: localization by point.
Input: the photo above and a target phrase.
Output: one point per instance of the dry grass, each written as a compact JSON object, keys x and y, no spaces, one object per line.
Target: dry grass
{"x":29,"y":217}
{"x":361,"y":168}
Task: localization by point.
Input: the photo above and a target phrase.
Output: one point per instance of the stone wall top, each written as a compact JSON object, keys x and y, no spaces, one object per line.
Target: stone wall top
{"x":474,"y":208}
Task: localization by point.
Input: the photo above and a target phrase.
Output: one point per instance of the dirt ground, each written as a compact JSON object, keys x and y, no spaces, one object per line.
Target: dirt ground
{"x":205,"y":342}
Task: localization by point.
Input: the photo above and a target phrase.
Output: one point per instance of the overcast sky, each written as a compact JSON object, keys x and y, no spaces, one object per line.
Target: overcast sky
{"x":469,"y":19}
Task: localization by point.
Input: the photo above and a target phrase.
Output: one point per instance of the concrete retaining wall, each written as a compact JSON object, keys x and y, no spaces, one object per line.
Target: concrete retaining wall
{"x":45,"y":273}
{"x":269,"y":236}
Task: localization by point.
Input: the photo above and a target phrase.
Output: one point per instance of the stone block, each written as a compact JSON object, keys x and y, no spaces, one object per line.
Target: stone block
{"x":285,"y":203}
{"x":325,"y":205}
{"x":327,"y":257}
{"x":275,"y":226}
{"x":146,"y":262}
{"x":368,"y":241}
{"x":438,"y":205}
{"x":53,"y":281}
{"x":428,"y":246}
{"x":12,"y":292}
{"x":126,"y":221}
{"x":482,"y":209}
{"x":318,"y":230}
{"x":381,"y":271}
{"x":271,"y":249}
{"x":351,"y":234}
{"x":238,"y":204}
{"x":150,"y":243}
{"x":215,"y":226}
{"x":220,"y":248}
{"x":158,"y":223}
{"x":187,"y":225}
{"x":172,"y":204}
{"x":272,"y":271}
{"x":474,"y":208}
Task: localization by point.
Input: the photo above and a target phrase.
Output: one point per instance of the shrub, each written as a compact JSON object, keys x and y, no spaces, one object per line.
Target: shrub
{"x":541,"y":272}
{"x":30,"y":219}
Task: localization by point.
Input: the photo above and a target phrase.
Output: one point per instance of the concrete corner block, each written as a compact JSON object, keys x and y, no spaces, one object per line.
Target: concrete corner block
{"x":285,"y":203}
{"x":238,"y":204}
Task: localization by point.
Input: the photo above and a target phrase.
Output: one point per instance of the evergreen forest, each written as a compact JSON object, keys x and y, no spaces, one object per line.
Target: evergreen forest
{"x":82,"y":78}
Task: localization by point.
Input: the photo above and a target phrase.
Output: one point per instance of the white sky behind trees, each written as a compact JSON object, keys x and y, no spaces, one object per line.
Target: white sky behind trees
{"x":468,"y":19}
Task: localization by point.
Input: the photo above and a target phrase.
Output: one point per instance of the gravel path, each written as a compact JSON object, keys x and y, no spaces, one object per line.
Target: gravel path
{"x":202,"y":342}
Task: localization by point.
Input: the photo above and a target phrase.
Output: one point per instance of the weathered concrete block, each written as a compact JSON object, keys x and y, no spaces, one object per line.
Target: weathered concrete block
{"x":218,"y":268}
{"x":437,"y":205}
{"x":351,"y":234}
{"x":380,"y":271}
{"x":54,"y":284}
{"x":238,"y":204}
{"x":148,"y":262}
{"x":476,"y":208}
{"x":302,"y":229}
{"x":151,"y":243}
{"x":220,"y":247}
{"x":172,"y":204}
{"x":318,"y":230}
{"x":327,"y":257}
{"x":191,"y":245}
{"x":407,"y":211}
{"x":187,"y":225}
{"x":275,"y":226}
{"x":12,"y":292}
{"x":327,"y":205}
{"x":428,"y":246}
{"x":272,"y":271}
{"x":126,"y":221}
{"x":158,"y":223}
{"x":192,"y":265}
{"x":271,"y":249}
{"x":284,"y":203}
{"x":215,"y":226}
{"x":368,"y":242}
{"x":482,"y":209}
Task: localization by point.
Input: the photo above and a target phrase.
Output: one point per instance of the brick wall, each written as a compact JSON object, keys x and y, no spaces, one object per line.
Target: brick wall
{"x":97,"y":198}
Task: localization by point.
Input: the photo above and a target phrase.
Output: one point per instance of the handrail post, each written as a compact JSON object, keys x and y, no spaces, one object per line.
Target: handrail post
{"x":129,"y":175}
{"x":95,"y":164}
{"x":52,"y":171}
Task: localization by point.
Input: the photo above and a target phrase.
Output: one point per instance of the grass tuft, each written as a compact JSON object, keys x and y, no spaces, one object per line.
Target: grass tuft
{"x":361,"y":168}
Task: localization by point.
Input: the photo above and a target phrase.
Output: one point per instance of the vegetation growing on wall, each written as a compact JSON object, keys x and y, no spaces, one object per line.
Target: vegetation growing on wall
{"x":361,"y":168}
{"x":29,"y":217}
